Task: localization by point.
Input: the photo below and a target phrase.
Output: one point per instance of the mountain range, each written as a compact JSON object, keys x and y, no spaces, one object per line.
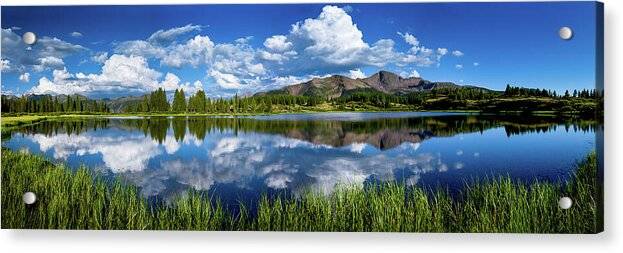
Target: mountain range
{"x":331,"y":87}
{"x":383,"y":81}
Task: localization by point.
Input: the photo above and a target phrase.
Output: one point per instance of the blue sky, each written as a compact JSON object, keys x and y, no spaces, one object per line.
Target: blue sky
{"x":112,"y":51}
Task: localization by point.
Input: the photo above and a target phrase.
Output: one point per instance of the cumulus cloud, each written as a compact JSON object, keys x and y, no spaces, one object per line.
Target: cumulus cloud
{"x":457,"y":53}
{"x":327,"y":44}
{"x":75,"y":34}
{"x":410,"y":39}
{"x":226,"y":81}
{"x":140,"y":48}
{"x":419,"y":54}
{"x":120,"y":75}
{"x":458,"y":66}
{"x":357,"y":73}
{"x":49,"y":62}
{"x":332,"y":36}
{"x":278,"y":43}
{"x":25,"y":77}
{"x":47,"y":53}
{"x":5,"y":65}
{"x":55,"y":47}
{"x":195,"y":51}
{"x":170,"y":82}
{"x":414,"y":73}
{"x":100,"y":57}
{"x":476,"y":64}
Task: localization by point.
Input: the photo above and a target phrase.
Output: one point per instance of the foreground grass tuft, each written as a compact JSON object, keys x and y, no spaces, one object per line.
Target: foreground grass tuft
{"x":80,"y":200}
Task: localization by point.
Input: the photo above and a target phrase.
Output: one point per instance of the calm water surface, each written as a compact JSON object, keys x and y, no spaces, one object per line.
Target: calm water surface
{"x":240,"y":158}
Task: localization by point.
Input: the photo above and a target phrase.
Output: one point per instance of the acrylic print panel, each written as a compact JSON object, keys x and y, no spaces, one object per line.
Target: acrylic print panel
{"x":412,"y":117}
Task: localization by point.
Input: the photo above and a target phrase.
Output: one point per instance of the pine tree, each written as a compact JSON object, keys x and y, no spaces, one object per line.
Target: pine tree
{"x":197,"y":102}
{"x":158,"y":101}
{"x":179,"y":101}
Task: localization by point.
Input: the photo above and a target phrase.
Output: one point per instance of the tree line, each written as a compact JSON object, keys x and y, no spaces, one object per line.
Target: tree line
{"x":417,"y":98}
{"x":515,"y":91}
{"x":48,"y":103}
{"x":156,"y":101}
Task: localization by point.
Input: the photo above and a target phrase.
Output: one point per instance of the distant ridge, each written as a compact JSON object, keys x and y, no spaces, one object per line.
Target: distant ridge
{"x":383,"y":81}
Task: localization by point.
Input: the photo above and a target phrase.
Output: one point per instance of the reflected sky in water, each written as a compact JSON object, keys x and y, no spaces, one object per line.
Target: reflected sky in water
{"x":239,"y":158}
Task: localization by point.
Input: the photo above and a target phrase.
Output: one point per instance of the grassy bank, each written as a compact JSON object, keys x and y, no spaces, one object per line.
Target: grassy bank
{"x":78,"y":200}
{"x":20,"y":120}
{"x":27,"y":119}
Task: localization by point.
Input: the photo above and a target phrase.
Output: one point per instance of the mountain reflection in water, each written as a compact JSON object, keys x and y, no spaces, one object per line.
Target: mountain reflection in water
{"x":238,"y":158}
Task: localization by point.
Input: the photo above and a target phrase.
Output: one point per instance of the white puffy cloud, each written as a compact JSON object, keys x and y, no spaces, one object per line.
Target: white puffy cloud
{"x":190,"y":89}
{"x":278,"y":49}
{"x":5,"y":65}
{"x":410,"y":39}
{"x":231,"y":66}
{"x":120,"y":75}
{"x":170,"y":82}
{"x":140,"y":48}
{"x":458,"y":66}
{"x":381,"y":53}
{"x":357,"y":73}
{"x":441,"y":52}
{"x":332,"y":37}
{"x":476,"y":64}
{"x":237,"y":59}
{"x":49,"y":62}
{"x":25,"y":77}
{"x":47,"y":53}
{"x":414,"y":73}
{"x":327,"y":44}
{"x":457,"y":53}
{"x":100,"y":57}
{"x":163,"y":45}
{"x":75,"y":34}
{"x":60,"y":84}
{"x":55,"y":47}
{"x":226,"y":81}
{"x":278,"y":43}
{"x":268,"y":56}
{"x":127,"y":71}
{"x":419,"y":54}
{"x":195,"y":51}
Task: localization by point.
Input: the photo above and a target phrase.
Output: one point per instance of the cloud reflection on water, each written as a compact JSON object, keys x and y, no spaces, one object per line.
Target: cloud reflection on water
{"x":279,"y":162}
{"x":165,"y":156}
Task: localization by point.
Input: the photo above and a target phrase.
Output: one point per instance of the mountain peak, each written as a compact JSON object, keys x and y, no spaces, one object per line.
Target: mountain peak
{"x":390,"y":82}
{"x":337,"y":85}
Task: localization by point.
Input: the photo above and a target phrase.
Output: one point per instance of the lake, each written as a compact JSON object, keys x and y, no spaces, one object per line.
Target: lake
{"x":239,"y":158}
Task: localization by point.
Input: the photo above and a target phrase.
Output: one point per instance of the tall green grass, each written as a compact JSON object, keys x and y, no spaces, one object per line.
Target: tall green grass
{"x":81,"y":200}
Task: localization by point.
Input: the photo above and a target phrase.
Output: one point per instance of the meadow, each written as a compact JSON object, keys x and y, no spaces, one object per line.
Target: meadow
{"x":80,"y":199}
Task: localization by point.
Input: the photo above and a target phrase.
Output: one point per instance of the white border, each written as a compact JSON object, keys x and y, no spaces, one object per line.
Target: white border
{"x":251,"y":242}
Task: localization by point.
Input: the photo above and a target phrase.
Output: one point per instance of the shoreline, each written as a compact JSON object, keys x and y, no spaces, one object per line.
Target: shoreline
{"x":81,"y":200}
{"x":8,"y":121}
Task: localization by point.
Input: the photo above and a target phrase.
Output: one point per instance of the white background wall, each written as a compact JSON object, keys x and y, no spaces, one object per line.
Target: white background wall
{"x":251,"y":242}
